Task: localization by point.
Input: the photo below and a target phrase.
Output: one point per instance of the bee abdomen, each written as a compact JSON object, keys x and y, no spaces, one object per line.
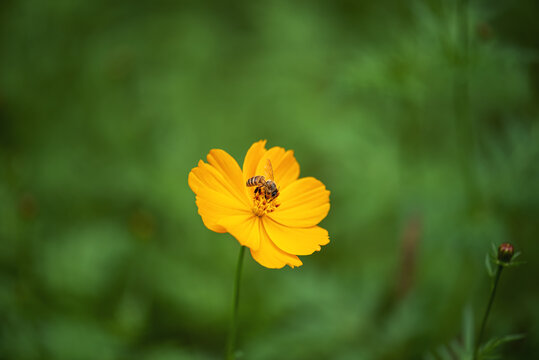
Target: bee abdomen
{"x":256,"y":180}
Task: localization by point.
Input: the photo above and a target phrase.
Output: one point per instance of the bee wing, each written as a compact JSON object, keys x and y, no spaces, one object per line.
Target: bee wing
{"x":269,"y":171}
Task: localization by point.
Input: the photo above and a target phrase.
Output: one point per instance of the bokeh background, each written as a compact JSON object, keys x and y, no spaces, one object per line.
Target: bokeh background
{"x":420,"y":117}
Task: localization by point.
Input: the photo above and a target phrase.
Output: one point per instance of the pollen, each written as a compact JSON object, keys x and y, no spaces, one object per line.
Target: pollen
{"x":261,"y":206}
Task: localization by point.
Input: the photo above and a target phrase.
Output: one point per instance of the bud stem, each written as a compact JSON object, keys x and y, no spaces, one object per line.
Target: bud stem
{"x":491,"y":300}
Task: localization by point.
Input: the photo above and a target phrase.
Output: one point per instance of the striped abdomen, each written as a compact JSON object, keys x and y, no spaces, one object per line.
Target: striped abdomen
{"x":256,"y":181}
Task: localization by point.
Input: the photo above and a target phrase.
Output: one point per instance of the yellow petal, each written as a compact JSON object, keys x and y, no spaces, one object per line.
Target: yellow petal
{"x":304,"y":203}
{"x":245,"y":228}
{"x":254,"y":154}
{"x":214,"y":198}
{"x":285,"y":166}
{"x":212,"y":207}
{"x":271,"y":256}
{"x":231,"y":172}
{"x":297,"y":241}
{"x":250,"y":163}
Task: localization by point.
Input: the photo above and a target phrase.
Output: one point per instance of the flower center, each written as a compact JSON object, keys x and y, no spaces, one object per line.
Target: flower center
{"x":263,"y":205}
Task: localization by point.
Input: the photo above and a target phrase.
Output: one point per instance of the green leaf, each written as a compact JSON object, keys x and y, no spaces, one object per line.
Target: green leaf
{"x":515,"y":263}
{"x":488,"y":350}
{"x":468,"y":330}
{"x":494,"y":250}
{"x":488,"y":265}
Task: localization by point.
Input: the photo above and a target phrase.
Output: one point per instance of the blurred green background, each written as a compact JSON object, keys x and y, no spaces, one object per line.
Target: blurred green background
{"x":426,"y":134}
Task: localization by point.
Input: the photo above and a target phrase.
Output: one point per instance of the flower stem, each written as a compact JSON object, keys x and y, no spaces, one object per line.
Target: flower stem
{"x":231,"y":345}
{"x":490,"y":301}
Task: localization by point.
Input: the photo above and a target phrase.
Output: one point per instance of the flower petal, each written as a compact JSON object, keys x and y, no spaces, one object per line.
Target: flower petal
{"x":229,"y":168}
{"x":271,"y":256}
{"x":214,"y":200}
{"x":254,"y":154}
{"x":304,"y":203}
{"x":211,"y":213}
{"x":298,"y":241}
{"x":244,"y":228}
{"x":285,"y":166}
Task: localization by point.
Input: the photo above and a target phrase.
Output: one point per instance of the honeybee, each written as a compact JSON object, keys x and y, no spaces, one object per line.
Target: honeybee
{"x":266,"y":187}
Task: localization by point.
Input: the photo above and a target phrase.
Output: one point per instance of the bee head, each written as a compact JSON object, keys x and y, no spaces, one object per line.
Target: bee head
{"x":271,"y":190}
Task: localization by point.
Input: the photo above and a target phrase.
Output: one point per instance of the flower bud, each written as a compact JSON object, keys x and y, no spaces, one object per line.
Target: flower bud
{"x":505,"y":252}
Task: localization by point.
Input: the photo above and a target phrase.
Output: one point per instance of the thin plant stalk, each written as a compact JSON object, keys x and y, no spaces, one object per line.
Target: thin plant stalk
{"x":487,"y":312}
{"x":232,"y":335}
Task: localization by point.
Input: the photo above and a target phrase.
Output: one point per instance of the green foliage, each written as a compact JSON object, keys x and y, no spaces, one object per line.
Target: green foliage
{"x":490,"y":349}
{"x":464,"y":348}
{"x":458,"y":349}
{"x":106,"y":106}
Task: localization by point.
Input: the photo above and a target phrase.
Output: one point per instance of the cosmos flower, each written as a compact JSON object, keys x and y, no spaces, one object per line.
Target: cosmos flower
{"x":276,"y":226}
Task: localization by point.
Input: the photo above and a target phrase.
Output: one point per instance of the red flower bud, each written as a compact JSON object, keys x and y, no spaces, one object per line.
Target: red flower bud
{"x":505,"y":252}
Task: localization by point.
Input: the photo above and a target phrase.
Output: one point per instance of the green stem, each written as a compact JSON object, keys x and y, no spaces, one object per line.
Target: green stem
{"x":231,"y":344}
{"x":491,"y":300}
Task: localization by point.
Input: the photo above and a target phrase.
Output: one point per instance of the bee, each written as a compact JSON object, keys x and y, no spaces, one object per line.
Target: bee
{"x":266,"y":187}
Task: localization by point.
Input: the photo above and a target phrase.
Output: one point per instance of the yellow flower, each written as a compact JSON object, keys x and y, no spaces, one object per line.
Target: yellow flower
{"x":276,"y":230}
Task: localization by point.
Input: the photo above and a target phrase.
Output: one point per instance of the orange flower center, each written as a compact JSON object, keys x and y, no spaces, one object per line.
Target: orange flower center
{"x":261,"y":205}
